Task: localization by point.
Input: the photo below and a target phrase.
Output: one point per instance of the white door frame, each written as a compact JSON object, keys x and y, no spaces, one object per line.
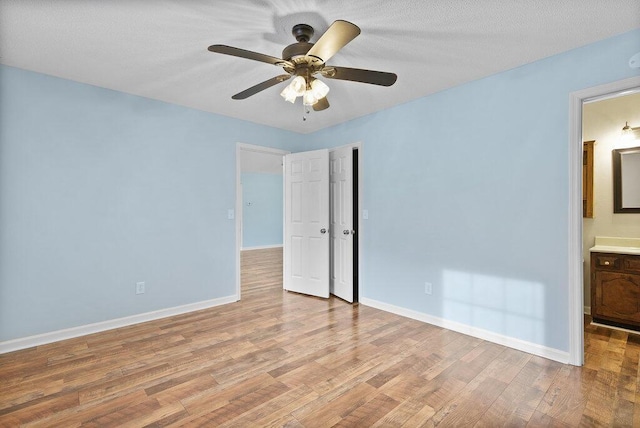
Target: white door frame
{"x":240,"y":147}
{"x":575,"y":274}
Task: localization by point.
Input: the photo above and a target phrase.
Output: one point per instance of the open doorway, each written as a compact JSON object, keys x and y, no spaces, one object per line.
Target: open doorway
{"x":576,"y":240}
{"x":254,"y":153}
{"x":259,"y":195}
{"x":602,"y":121}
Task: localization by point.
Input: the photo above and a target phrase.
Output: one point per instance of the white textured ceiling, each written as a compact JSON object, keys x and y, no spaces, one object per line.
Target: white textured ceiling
{"x":158,"y":48}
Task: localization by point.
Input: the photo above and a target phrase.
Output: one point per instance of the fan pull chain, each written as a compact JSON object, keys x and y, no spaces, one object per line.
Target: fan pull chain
{"x":305,"y":112}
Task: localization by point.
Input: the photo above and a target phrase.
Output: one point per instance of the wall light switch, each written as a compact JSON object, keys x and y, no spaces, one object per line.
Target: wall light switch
{"x":365,"y":214}
{"x":230,"y":214}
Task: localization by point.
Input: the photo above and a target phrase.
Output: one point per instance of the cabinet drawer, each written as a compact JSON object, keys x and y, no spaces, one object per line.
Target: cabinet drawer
{"x":632,"y":264}
{"x":608,"y":261}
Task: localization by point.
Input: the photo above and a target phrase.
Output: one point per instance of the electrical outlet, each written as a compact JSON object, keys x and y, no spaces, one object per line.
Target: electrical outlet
{"x":140,"y":288}
{"x":231,"y":214}
{"x":365,"y":214}
{"x":428,"y":289}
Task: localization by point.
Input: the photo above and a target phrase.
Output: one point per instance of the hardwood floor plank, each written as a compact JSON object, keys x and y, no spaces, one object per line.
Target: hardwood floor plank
{"x":567,"y":396}
{"x":182,"y":389}
{"x":221,"y":395}
{"x":598,"y":408}
{"x":370,"y":412}
{"x":522,"y":389}
{"x":128,"y":414}
{"x":623,"y":413}
{"x":333,"y":411}
{"x":283,"y":359}
{"x":136,"y":378}
{"x":83,"y":414}
{"x":277,"y":409}
{"x":409,"y":413}
{"x":39,"y":408}
{"x":395,"y":370}
{"x":471,"y":404}
{"x":236,"y":407}
{"x":543,"y":420}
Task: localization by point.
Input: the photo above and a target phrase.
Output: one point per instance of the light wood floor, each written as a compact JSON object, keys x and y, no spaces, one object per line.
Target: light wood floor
{"x":282,"y":359}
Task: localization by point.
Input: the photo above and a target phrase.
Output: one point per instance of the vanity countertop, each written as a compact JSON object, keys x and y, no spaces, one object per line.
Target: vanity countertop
{"x":605,"y":244}
{"x":615,"y":249}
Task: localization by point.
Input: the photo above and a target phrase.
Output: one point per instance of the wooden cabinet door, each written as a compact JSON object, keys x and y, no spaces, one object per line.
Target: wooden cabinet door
{"x":587,"y":179}
{"x":617,"y":296}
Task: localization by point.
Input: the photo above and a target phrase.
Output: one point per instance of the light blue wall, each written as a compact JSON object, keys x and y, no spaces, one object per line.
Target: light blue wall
{"x":262,"y":210}
{"x":468,"y":189}
{"x":99,"y":190}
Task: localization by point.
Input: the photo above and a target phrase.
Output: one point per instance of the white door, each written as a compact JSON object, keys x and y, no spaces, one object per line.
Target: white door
{"x":306,"y":225}
{"x":341,"y":222}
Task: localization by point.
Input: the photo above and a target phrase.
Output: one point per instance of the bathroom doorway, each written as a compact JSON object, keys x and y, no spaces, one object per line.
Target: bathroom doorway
{"x":577,"y":234}
{"x":602,"y":121}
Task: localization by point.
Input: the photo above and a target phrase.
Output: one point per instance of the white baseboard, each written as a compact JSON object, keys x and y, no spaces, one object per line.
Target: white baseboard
{"x":613,"y":327}
{"x":587,"y":310}
{"x":260,"y":247}
{"x":69,"y":333}
{"x":521,"y":345}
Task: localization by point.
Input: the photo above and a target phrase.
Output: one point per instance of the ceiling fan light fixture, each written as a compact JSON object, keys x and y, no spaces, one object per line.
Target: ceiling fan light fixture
{"x":289,"y":94}
{"x":295,"y":89}
{"x":299,"y":85}
{"x":309,"y":98}
{"x":319,"y":89}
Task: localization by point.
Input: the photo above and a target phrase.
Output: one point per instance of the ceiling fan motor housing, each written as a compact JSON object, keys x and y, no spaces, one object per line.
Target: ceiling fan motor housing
{"x":296,"y":50}
{"x":302,"y":32}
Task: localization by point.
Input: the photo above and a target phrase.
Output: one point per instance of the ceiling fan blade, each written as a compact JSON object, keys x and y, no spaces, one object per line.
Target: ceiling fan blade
{"x":322,"y":104}
{"x":359,"y":75}
{"x":261,"y":87}
{"x":242,"y":53}
{"x":335,"y":38}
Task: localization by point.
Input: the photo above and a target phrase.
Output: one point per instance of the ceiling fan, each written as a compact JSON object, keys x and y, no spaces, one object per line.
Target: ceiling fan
{"x":303,"y":61}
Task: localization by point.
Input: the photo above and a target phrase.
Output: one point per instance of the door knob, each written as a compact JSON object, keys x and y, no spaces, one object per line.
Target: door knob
{"x":346,"y":232}
{"x":323,"y":230}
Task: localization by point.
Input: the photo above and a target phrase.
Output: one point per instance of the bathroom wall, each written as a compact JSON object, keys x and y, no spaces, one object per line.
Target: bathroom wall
{"x":602,"y":122}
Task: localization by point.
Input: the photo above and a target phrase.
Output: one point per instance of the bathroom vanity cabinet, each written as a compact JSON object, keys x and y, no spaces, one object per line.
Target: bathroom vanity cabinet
{"x":615,"y":289}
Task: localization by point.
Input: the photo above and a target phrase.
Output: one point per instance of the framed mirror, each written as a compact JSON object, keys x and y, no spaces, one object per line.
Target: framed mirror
{"x":626,"y":180}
